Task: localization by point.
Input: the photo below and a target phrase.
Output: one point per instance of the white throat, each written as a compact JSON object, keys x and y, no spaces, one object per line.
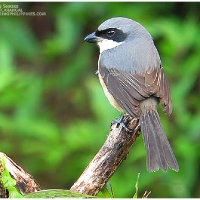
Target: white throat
{"x":106,"y":44}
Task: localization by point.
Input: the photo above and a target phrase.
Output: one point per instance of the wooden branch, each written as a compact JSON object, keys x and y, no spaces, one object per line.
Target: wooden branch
{"x":98,"y":172}
{"x":24,"y":181}
{"x":108,"y":159}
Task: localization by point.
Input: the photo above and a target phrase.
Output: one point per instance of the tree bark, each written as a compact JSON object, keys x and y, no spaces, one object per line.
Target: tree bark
{"x":24,"y":181}
{"x":101,"y":168}
{"x":109,"y":157}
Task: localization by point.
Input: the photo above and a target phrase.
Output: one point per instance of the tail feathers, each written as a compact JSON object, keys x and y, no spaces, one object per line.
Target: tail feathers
{"x":159,"y":151}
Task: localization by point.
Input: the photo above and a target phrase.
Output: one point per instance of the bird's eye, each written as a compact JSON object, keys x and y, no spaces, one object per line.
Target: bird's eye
{"x":110,"y":33}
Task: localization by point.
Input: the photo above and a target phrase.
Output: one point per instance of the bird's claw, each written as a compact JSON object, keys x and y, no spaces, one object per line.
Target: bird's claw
{"x":119,"y":120}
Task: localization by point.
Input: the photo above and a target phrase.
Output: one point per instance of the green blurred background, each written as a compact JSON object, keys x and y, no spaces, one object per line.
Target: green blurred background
{"x":54,"y":116}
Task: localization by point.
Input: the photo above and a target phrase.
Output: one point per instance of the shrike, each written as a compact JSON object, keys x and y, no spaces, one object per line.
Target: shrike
{"x":132,"y":77}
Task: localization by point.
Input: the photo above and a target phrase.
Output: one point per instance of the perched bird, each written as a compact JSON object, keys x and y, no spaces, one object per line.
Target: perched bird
{"x":132,"y":77}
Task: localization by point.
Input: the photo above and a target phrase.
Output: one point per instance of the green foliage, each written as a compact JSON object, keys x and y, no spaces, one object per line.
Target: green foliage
{"x":136,"y":187}
{"x":56,"y":193}
{"x":53,"y":114}
{"x":107,"y":191}
{"x":8,"y":182}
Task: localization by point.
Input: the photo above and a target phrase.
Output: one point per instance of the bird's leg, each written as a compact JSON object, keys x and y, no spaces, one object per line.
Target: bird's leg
{"x":119,"y":120}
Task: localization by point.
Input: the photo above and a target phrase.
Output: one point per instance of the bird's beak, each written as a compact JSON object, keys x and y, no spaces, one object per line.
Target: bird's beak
{"x":92,"y":38}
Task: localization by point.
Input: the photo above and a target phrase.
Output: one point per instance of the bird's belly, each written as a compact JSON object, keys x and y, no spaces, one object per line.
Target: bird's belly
{"x":109,"y":96}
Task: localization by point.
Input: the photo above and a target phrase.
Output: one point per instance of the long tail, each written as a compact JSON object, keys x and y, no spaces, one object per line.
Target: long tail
{"x":159,"y":151}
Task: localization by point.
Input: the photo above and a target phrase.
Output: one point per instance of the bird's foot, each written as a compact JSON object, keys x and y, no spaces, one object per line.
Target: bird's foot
{"x":119,"y":120}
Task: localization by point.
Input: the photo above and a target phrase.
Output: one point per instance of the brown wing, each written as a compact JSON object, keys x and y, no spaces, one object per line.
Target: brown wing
{"x":129,"y":89}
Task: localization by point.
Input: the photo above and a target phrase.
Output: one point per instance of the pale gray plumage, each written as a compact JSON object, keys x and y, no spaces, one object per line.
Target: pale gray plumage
{"x":137,"y":48}
{"x":133,"y":79}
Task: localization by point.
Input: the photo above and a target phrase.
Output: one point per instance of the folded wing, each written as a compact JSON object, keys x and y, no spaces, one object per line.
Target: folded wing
{"x":129,"y":89}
